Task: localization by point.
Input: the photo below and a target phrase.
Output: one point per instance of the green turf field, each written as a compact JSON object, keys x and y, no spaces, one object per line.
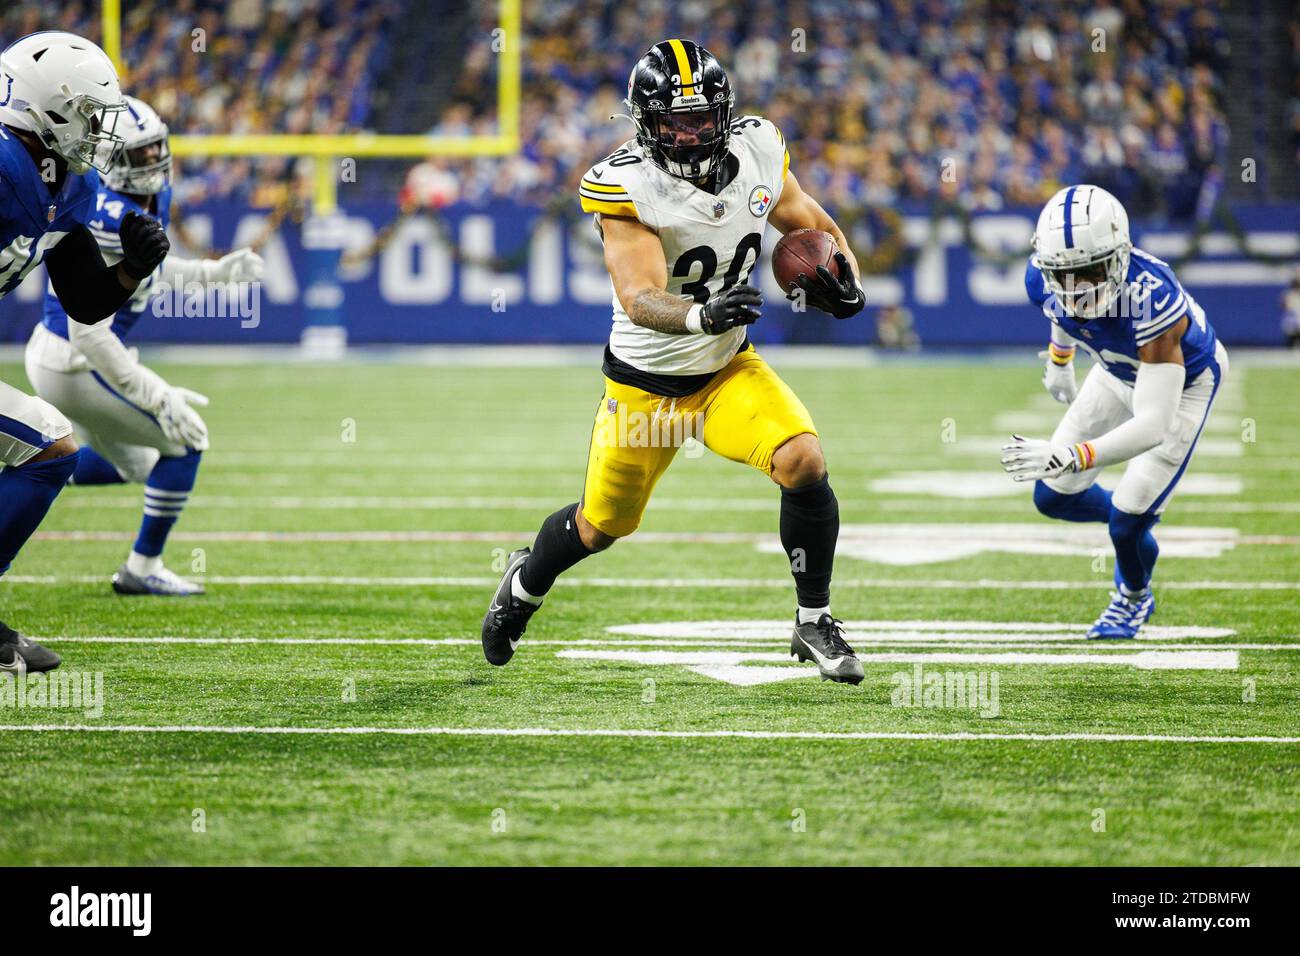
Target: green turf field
{"x":349,"y":522}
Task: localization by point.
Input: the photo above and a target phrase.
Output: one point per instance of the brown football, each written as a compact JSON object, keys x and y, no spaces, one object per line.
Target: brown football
{"x":802,"y":250}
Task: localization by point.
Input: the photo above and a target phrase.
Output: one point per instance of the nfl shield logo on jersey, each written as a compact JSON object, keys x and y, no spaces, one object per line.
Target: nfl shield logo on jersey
{"x":718,"y":209}
{"x":613,"y":405}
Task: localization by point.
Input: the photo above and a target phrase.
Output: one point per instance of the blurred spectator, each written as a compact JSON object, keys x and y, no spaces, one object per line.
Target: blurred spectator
{"x":894,"y":329}
{"x":1291,"y":312}
{"x":429,"y":185}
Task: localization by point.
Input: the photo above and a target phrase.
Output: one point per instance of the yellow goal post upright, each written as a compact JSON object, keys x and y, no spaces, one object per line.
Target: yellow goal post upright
{"x":329,"y":149}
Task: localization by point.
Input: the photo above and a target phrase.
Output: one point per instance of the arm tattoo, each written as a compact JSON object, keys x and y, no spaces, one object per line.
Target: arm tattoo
{"x":660,"y":310}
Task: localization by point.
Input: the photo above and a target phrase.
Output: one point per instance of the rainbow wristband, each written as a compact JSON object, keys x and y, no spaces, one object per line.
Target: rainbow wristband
{"x":1059,"y":355}
{"x":1085,"y":456}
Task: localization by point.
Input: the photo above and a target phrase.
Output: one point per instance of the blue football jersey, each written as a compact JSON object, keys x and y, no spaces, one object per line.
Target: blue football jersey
{"x":109,"y":209}
{"x":1150,"y":302}
{"x":32,"y":220}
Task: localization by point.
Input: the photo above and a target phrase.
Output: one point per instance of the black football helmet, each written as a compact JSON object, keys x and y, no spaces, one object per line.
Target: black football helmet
{"x":681,"y":101}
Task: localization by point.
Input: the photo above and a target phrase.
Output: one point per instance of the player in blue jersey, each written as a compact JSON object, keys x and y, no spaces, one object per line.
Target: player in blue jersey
{"x":133,"y":425}
{"x":59,"y":106}
{"x":1158,"y":368}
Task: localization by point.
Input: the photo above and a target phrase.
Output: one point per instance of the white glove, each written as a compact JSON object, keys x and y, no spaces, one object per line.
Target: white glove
{"x":242,"y":265}
{"x":1032,"y":459}
{"x":141,"y":386}
{"x":181,"y":423}
{"x":1059,"y":380}
{"x":118,"y":365}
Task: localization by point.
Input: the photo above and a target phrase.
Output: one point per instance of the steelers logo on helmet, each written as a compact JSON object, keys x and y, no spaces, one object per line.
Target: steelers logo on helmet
{"x":681,"y":101}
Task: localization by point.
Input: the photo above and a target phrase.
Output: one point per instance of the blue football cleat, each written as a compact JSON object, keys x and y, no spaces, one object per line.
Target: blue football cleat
{"x":1127,"y":612}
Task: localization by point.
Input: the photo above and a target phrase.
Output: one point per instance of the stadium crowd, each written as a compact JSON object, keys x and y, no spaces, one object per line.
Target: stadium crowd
{"x":877,"y":97}
{"x":239,"y":66}
{"x":1014,"y":96}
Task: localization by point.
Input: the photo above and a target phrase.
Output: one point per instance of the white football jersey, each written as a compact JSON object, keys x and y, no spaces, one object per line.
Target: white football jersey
{"x":709,"y":241}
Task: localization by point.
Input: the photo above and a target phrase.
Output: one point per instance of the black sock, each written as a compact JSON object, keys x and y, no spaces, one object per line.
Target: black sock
{"x":810,"y":528}
{"x":558,"y":547}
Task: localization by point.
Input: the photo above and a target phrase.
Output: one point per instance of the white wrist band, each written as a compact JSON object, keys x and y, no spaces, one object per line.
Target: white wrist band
{"x":694,"y":319}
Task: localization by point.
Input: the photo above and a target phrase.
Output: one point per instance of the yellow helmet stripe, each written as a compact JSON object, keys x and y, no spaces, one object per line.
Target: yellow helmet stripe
{"x":683,"y":67}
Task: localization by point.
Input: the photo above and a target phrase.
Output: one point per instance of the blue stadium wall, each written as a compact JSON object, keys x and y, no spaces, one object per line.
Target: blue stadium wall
{"x":415,"y":291}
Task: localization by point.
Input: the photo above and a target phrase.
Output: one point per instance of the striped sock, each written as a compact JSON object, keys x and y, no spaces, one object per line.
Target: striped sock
{"x":165,"y":495}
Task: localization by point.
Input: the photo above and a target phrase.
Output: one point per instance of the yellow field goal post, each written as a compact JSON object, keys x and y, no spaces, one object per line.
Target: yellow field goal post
{"x":328,"y":149}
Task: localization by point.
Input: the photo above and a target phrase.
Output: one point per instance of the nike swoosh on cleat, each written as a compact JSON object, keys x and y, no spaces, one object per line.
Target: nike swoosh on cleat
{"x":822,"y":661}
{"x":494,"y":607}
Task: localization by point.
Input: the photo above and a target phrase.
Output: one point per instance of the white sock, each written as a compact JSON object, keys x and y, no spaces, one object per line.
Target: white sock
{"x":811,"y":615}
{"x":142,"y":565}
{"x":518,"y":591}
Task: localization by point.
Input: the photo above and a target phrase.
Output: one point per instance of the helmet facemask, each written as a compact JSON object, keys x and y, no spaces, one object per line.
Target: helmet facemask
{"x":142,"y":169}
{"x":687,"y":143}
{"x":1086,"y":288}
{"x":86,"y":136}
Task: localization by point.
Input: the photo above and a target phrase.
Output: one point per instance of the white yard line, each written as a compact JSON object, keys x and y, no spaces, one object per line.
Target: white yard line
{"x":478,"y":582}
{"x":508,"y":537}
{"x":618,"y":732}
{"x":742,"y":643}
{"x":1142,"y":659}
{"x":773,"y":629}
{"x":503,"y":502}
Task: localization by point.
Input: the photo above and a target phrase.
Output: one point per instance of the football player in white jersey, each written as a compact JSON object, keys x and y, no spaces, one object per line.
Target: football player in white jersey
{"x":59,"y":106}
{"x":134,"y":425}
{"x":681,"y":211}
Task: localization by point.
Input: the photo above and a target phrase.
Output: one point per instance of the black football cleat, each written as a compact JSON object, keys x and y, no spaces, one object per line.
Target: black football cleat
{"x":507,"y":616}
{"x":823,"y":642}
{"x":18,"y":655}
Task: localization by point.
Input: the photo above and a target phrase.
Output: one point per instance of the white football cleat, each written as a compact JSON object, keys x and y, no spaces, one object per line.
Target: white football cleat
{"x":162,"y":582}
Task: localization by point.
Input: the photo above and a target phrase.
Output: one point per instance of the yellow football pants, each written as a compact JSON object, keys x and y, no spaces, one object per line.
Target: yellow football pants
{"x":745,"y":413}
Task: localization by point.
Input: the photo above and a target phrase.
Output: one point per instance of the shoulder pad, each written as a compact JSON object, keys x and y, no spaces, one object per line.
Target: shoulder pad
{"x":610,"y":186}
{"x":765,"y":137}
{"x":1035,"y":287}
{"x":1157,"y":291}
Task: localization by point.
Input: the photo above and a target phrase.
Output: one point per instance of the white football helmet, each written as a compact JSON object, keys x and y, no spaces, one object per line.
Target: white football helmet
{"x":137,"y":169}
{"x":64,"y":89}
{"x":1082,"y":247}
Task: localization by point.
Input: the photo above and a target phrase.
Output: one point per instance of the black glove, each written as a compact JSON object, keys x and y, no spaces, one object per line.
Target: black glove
{"x":144,"y":244}
{"x":733,"y":306}
{"x":841,"y":296}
